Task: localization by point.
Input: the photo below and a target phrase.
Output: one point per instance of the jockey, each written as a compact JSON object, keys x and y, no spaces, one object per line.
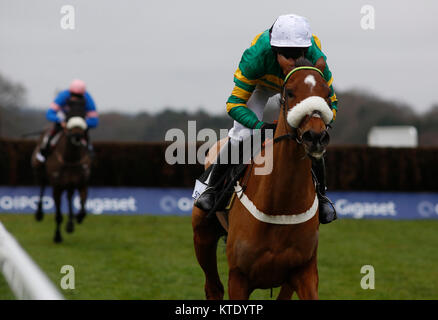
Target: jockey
{"x":78,"y":95}
{"x":259,"y":77}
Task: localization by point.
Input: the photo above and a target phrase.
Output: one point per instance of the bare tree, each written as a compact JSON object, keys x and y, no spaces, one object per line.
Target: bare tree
{"x":12,"y":96}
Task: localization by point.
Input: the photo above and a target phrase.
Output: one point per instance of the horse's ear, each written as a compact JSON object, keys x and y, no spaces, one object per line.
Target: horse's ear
{"x":286,"y":65}
{"x":320,"y":64}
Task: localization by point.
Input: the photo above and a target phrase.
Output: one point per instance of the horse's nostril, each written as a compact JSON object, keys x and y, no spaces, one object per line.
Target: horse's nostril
{"x":324,"y":139}
{"x":308,"y":136}
{"x":316,"y":140}
{"x":75,"y":139}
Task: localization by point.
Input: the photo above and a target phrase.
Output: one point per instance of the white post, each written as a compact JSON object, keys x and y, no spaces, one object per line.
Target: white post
{"x":24,"y":277}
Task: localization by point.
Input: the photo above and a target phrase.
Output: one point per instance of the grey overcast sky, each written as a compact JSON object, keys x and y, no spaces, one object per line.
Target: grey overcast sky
{"x":142,"y":55}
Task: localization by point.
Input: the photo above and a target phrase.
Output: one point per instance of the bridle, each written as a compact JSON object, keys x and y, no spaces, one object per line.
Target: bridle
{"x":295,"y":133}
{"x":73,"y":138}
{"x":77,"y":143}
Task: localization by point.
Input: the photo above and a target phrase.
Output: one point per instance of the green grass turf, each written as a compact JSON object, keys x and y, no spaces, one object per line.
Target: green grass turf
{"x":149,"y":257}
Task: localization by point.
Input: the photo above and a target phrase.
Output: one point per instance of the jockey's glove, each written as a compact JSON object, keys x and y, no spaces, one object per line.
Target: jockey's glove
{"x":266,"y":126}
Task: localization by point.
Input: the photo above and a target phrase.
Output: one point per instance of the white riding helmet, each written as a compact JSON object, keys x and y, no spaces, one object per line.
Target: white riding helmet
{"x":291,"y":30}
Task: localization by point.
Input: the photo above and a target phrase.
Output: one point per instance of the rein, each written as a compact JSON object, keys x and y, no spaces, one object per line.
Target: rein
{"x":295,"y":134}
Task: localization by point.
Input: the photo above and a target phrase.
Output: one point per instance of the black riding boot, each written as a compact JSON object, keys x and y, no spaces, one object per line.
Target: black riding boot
{"x":207,"y":199}
{"x":46,"y":144}
{"x":45,"y":148}
{"x":327,"y":211}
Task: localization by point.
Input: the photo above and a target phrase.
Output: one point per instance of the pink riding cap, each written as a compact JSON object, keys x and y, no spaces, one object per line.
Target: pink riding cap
{"x":77,"y":86}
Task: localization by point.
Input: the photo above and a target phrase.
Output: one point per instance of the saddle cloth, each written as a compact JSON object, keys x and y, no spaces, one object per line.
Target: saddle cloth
{"x":225,"y":186}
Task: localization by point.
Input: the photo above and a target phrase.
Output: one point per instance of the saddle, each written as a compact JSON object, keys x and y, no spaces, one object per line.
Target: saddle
{"x":224,"y":188}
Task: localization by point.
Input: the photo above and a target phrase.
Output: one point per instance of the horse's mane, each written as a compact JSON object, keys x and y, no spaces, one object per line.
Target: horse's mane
{"x":303,"y":62}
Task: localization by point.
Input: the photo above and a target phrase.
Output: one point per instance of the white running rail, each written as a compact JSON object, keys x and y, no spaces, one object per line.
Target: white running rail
{"x":24,"y":277}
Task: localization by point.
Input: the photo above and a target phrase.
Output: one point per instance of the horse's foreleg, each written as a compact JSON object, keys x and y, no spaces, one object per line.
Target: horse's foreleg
{"x":206,"y":234}
{"x":306,"y":281}
{"x":83,"y":192}
{"x":286,"y":292}
{"x":57,"y":192}
{"x":238,"y":285}
{"x":70,"y":224}
{"x":39,"y":214}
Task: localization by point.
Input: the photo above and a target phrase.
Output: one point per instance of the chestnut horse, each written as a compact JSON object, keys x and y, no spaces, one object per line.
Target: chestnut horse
{"x":273,"y":222}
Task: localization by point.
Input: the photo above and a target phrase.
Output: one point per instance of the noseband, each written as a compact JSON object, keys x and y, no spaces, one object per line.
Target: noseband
{"x":76,"y":140}
{"x":295,"y":134}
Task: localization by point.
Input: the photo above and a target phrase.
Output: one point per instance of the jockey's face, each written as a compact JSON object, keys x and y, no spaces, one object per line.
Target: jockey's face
{"x":290,"y":52}
{"x":76,"y":95}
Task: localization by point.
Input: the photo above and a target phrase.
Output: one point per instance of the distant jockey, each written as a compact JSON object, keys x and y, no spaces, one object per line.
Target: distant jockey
{"x":76,"y":95}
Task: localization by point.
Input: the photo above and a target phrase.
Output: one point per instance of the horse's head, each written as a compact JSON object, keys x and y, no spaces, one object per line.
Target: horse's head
{"x":306,"y":104}
{"x":76,"y":128}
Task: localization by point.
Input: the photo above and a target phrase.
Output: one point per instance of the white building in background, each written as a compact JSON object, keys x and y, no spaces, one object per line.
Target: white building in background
{"x":393,"y":136}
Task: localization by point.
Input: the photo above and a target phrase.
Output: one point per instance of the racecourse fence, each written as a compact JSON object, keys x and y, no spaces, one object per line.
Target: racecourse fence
{"x":24,"y":277}
{"x":142,"y":164}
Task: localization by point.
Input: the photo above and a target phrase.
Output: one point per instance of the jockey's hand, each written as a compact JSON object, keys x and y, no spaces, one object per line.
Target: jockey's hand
{"x":63,"y":125}
{"x":267,"y":126}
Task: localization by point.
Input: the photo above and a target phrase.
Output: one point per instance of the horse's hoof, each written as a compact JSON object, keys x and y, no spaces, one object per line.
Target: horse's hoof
{"x":70,"y":227}
{"x":80,"y":217}
{"x":39,"y":215}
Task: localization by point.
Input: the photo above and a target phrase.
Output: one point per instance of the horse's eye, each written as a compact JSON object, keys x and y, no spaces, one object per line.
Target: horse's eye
{"x":290,"y":94}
